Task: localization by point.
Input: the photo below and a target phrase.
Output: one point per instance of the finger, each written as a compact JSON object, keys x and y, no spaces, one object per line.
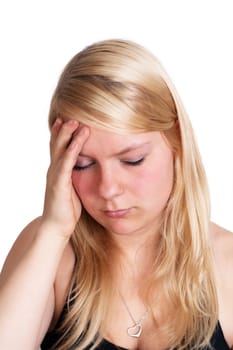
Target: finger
{"x":73,"y":150}
{"x":55,"y":130}
{"x":62,"y":138}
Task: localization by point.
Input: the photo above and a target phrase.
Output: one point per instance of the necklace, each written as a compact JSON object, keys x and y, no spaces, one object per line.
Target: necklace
{"x":136,"y":329}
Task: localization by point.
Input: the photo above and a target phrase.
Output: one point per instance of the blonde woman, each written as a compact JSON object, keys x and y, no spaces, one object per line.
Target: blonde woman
{"x":124,"y":255}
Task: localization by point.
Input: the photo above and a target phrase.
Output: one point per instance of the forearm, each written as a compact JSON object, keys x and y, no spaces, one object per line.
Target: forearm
{"x":25,"y":291}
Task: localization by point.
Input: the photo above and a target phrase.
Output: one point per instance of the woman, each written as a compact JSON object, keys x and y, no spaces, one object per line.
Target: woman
{"x":124,"y":255}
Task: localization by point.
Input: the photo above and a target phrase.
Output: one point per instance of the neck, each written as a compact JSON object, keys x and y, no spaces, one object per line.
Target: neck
{"x":132,"y":259}
{"x":136,"y":250}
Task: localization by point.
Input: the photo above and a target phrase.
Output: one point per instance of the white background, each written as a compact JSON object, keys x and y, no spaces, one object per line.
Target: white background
{"x":193,"y":39}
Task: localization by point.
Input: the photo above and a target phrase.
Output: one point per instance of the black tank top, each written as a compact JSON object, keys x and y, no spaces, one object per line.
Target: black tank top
{"x":218,"y":341}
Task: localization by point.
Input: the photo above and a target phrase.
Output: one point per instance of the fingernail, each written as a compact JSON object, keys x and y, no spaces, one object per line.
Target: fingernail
{"x":58,"y":121}
{"x":82,"y":130}
{"x":72,"y":122}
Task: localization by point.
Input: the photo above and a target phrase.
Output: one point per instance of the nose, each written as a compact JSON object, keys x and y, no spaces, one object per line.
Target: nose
{"x":110,"y":184}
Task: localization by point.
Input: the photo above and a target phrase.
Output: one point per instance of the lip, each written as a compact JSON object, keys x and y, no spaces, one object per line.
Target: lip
{"x":115,"y":214}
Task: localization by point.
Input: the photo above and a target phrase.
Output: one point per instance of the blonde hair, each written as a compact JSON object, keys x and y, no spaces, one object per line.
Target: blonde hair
{"x":119,"y":86}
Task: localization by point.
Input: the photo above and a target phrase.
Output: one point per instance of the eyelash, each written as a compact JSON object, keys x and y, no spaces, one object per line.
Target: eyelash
{"x":79,"y":168}
{"x":134,"y":163}
{"x":127,"y":162}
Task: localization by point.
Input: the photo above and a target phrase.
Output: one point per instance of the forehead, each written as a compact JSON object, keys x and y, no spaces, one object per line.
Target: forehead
{"x":110,"y":143}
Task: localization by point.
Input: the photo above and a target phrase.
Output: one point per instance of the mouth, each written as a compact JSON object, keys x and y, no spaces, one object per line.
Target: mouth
{"x":114,"y":214}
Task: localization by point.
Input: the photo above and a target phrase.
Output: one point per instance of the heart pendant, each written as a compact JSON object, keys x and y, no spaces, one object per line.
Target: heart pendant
{"x":135,"y":331}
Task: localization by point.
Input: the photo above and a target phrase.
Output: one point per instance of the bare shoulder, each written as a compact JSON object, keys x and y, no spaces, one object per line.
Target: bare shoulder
{"x":222,"y":241}
{"x":21,"y":245}
{"x":64,"y":271}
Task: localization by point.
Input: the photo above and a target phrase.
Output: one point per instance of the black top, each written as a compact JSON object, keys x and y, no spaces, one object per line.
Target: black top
{"x":218,"y":341}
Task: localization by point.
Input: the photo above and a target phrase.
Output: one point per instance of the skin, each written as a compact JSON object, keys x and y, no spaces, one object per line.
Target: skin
{"x":43,"y":249}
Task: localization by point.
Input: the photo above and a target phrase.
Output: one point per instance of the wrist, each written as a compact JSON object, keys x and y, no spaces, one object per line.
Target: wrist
{"x":52,"y":231}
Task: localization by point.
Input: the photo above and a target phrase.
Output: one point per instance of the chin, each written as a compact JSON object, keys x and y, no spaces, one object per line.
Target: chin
{"x":123,"y":230}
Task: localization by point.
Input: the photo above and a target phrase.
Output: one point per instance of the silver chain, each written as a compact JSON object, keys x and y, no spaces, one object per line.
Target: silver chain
{"x":136,"y":329}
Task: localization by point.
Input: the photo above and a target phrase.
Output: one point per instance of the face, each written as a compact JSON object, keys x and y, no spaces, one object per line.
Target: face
{"x":124,"y":181}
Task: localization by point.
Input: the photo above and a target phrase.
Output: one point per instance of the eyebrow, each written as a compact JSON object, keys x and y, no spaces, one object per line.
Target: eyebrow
{"x":121,"y":152}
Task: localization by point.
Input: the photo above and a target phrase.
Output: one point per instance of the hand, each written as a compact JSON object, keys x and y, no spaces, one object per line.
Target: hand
{"x":62,"y":207}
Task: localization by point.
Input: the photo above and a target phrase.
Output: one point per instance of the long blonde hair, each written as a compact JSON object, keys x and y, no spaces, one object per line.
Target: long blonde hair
{"x":119,"y":86}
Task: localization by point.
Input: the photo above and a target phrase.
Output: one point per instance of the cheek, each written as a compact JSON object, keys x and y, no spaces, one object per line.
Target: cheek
{"x":81,"y":184}
{"x":157,"y":180}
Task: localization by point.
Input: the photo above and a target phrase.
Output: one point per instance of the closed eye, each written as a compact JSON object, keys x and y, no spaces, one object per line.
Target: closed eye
{"x":134,"y":162}
{"x":82,"y":167}
{"x":127,"y":162}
